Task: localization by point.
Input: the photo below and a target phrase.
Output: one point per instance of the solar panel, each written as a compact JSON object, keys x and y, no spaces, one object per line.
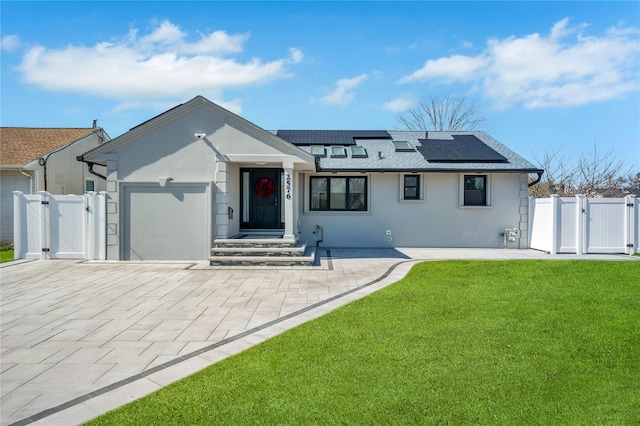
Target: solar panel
{"x":462,"y":149}
{"x":330,"y":137}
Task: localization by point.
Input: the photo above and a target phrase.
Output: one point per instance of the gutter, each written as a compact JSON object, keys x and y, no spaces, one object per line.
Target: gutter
{"x":423,"y":170}
{"x":80,"y":158}
{"x":537,"y":180}
{"x":91,"y":164}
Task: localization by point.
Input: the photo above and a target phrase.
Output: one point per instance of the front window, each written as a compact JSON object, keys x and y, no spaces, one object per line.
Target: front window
{"x":339,"y":193}
{"x":475,"y":190}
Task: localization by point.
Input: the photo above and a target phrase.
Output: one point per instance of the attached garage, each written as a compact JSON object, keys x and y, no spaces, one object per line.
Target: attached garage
{"x":166,"y":223}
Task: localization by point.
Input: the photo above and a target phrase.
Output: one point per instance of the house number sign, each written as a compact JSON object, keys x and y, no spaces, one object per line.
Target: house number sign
{"x":287,"y":184}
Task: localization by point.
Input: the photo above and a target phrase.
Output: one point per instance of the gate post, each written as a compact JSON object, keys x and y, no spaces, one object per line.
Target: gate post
{"x":17,"y":224}
{"x":630,"y":225}
{"x":89,"y":240}
{"x":581,"y":211}
{"x":554,"y":223}
{"x":45,"y":238}
{"x":101,"y":225}
{"x":530,"y":213}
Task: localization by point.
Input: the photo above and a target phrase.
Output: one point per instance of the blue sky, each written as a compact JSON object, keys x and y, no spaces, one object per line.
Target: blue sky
{"x":544,"y":74}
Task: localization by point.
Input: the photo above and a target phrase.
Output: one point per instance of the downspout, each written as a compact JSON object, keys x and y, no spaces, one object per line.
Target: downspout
{"x":43,"y":163}
{"x":22,"y":172}
{"x":537,"y":180}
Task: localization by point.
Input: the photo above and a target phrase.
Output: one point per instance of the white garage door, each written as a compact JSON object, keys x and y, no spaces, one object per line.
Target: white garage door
{"x":166,"y":223}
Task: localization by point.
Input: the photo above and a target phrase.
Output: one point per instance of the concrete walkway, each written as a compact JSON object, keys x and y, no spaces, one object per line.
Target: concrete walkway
{"x":81,"y":338}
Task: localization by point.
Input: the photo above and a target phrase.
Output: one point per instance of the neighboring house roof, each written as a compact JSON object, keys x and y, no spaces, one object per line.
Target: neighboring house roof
{"x":431,"y":151}
{"x":22,"y":145}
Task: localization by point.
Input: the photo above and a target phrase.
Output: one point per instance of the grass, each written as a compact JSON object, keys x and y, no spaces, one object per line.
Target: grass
{"x":6,"y":253}
{"x":455,"y":342}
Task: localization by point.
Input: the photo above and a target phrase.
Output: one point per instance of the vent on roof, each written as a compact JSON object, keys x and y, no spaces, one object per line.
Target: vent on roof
{"x":462,"y":149}
{"x":403,"y":146}
{"x":330,"y":137}
{"x":358,"y":152}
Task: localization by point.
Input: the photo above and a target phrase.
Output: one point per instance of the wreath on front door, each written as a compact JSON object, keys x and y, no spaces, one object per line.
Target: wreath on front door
{"x":265,"y":187}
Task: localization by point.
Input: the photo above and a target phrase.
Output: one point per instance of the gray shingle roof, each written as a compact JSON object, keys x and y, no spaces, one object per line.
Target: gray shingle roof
{"x":382,"y":156}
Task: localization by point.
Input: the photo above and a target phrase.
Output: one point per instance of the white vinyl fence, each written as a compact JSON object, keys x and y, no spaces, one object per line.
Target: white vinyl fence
{"x":584,"y":225}
{"x":49,"y":226}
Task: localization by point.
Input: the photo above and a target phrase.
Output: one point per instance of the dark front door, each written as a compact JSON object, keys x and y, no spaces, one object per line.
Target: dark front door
{"x":264,"y":198}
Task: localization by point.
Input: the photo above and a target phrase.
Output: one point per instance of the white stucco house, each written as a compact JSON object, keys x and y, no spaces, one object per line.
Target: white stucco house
{"x":198,"y":176}
{"x":44,"y":159}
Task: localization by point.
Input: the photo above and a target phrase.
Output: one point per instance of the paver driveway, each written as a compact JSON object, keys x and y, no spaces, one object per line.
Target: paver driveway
{"x":80,"y":338}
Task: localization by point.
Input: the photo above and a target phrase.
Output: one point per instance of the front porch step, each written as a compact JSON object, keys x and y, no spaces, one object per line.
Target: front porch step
{"x":306,"y":259}
{"x":258,"y":250}
{"x":254,"y":242}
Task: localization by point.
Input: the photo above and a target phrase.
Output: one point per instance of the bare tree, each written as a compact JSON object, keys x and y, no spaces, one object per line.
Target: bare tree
{"x":557,"y":178}
{"x":449,"y":112}
{"x":595,"y":175}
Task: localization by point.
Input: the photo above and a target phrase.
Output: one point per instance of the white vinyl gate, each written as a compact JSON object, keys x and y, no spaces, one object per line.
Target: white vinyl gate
{"x":584,"y":225}
{"x":59,"y":226}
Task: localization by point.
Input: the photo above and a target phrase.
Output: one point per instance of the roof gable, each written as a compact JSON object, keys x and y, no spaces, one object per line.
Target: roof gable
{"x":199,"y":103}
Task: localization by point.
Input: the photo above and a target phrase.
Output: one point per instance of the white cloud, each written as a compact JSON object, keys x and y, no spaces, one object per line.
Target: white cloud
{"x":400,"y":104}
{"x":10,"y":42}
{"x":295,"y":55}
{"x":343,"y":93}
{"x":565,"y":68}
{"x":156,"y":67}
{"x":456,"y":67}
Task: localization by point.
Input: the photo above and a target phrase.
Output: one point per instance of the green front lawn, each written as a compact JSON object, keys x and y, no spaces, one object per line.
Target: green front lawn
{"x":455,"y":342}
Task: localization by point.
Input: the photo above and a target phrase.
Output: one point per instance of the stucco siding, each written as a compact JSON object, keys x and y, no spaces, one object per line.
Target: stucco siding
{"x":436,"y":221}
{"x":173,"y":150}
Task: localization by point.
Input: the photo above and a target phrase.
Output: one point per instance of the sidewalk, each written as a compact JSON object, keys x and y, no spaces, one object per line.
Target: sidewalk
{"x":82,"y":338}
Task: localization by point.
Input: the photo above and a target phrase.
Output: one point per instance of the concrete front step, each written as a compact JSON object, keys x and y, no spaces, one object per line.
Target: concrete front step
{"x":297,"y":250}
{"x":306,"y":259}
{"x":254,"y":242}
